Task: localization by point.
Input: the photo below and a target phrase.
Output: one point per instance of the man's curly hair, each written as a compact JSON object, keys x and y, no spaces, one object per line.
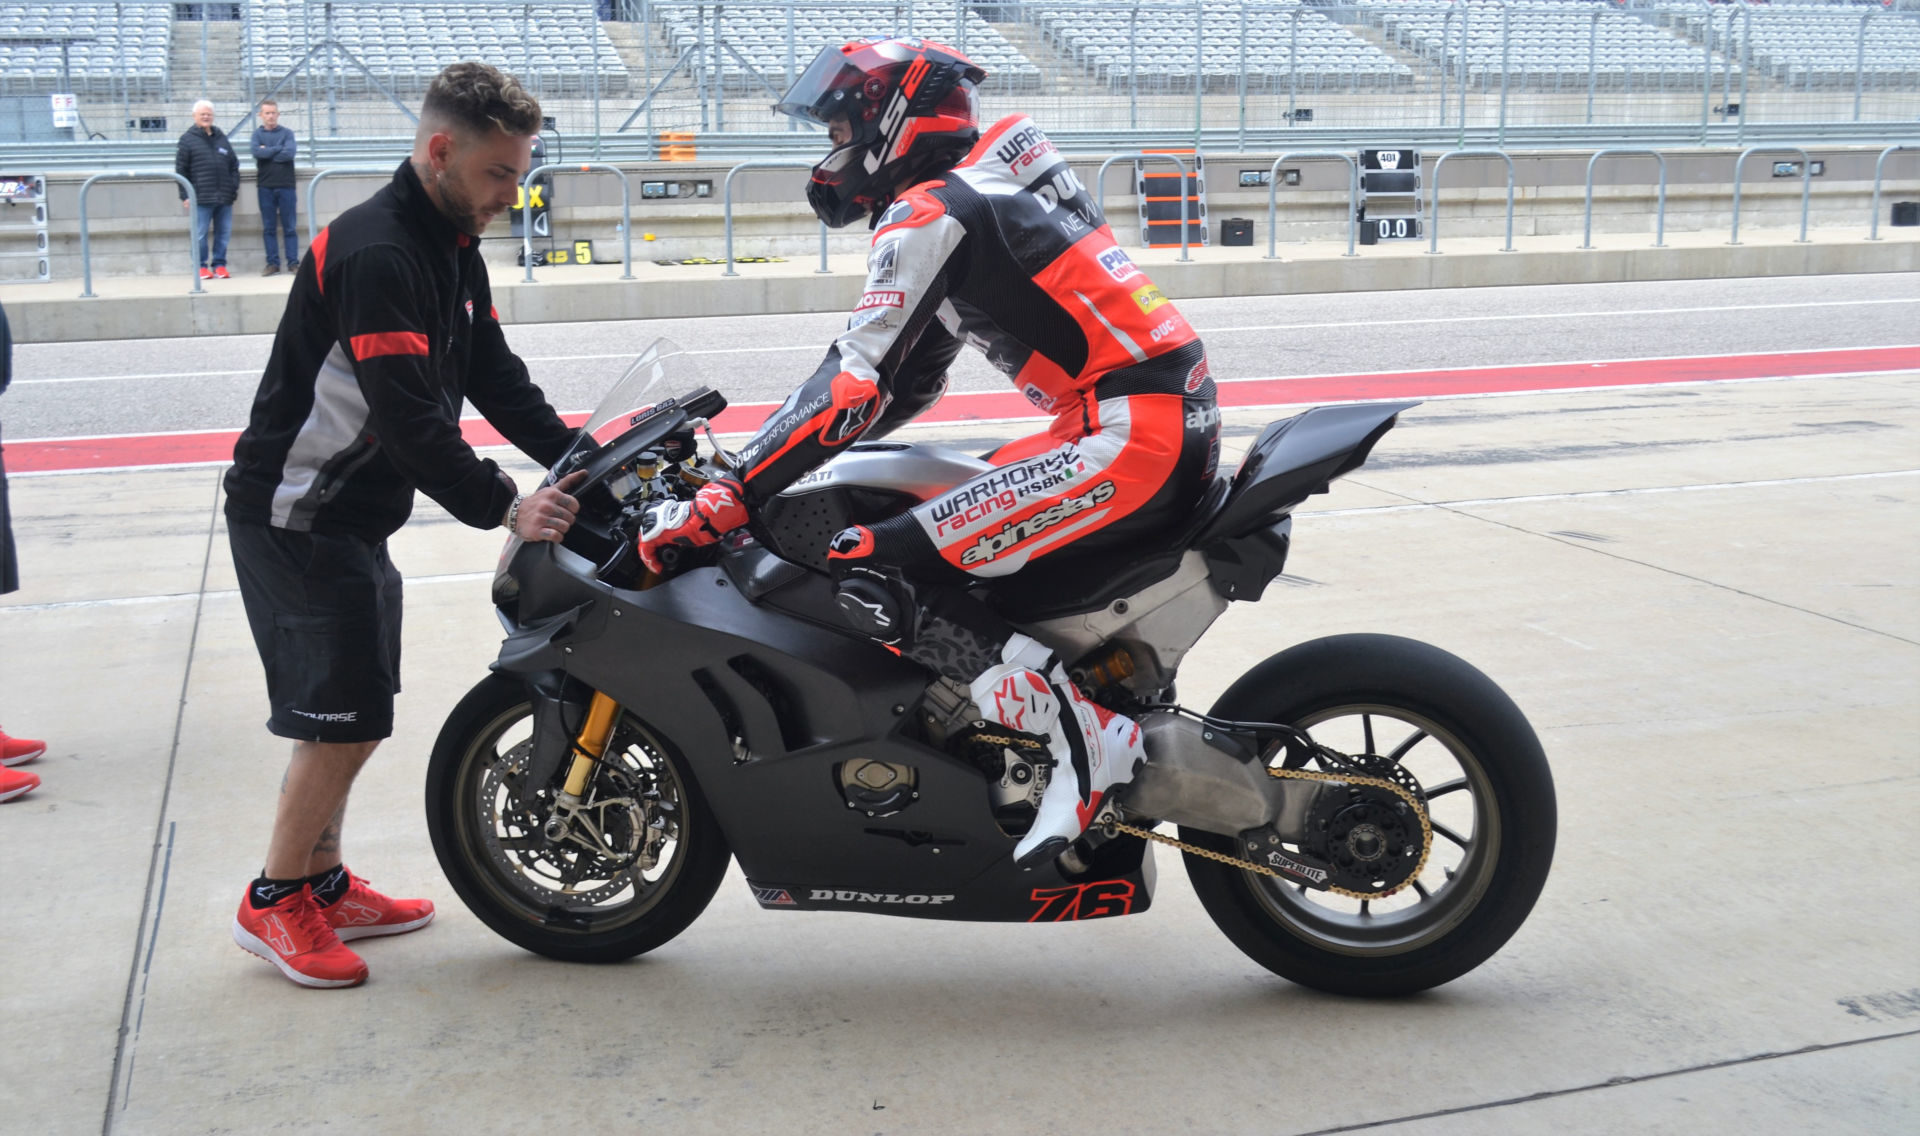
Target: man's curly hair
{"x":480,"y":98}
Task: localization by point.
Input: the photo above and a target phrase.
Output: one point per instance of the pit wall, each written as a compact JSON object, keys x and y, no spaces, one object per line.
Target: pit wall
{"x":139,"y":228}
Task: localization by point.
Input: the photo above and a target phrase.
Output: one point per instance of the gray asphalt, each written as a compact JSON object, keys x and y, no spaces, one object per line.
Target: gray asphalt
{"x":67,"y":390}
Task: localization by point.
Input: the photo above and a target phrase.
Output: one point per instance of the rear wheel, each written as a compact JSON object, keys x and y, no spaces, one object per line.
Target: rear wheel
{"x":648,"y":871}
{"x":1485,"y":783}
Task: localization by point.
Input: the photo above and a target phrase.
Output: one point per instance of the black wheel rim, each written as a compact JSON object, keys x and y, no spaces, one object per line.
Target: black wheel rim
{"x":526,"y":875}
{"x":1461,"y":804}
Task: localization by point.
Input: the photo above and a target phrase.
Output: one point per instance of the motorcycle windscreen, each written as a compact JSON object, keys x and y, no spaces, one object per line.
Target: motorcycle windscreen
{"x":661,"y":370}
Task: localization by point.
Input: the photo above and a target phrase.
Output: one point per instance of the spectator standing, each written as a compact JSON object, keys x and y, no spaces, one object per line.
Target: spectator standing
{"x":205,"y":157}
{"x":274,"y":148}
{"x":389,"y":326}
{"x":13,"y":751}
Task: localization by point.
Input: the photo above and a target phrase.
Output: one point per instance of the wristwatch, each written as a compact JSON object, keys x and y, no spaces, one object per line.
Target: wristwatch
{"x":513,"y":512}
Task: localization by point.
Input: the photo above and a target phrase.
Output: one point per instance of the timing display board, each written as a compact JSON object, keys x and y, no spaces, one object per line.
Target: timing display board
{"x":1389,"y":196}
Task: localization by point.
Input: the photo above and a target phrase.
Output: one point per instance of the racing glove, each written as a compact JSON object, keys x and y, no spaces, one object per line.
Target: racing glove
{"x":716,"y":510}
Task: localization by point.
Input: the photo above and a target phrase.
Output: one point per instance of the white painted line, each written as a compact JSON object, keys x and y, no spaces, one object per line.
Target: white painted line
{"x":1502,"y":318}
{"x":1378,"y":510}
{"x":1482,"y":502}
{"x":1204,"y":331}
{"x":218,"y":594}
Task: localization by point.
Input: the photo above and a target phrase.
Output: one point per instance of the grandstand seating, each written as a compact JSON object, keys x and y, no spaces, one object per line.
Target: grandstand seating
{"x":759,"y":35}
{"x":404,"y":46}
{"x":1819,"y":45}
{"x":1547,"y":45}
{"x":112,"y":43}
{"x":1287,"y":44}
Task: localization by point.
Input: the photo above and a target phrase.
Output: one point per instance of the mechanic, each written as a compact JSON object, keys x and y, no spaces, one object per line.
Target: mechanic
{"x":991,"y":241}
{"x":389,"y":325}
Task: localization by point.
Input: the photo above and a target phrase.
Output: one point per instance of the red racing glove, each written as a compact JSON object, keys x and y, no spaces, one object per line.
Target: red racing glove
{"x":718,"y":509}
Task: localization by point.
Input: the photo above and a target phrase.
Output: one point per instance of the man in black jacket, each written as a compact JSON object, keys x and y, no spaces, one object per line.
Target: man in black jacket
{"x":13,"y":751}
{"x":274,"y":149}
{"x":390,"y":324}
{"x":206,"y":159}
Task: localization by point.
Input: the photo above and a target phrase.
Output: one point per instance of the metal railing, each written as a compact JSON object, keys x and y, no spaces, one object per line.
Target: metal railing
{"x":1353,"y":194}
{"x":350,"y":70}
{"x":1100,"y":192}
{"x":313,"y":214}
{"x":1433,"y":195}
{"x":1873,"y":230}
{"x":626,"y":212}
{"x":1806,"y":185}
{"x":1660,"y":213}
{"x":193,"y":209}
{"x":726,"y":206}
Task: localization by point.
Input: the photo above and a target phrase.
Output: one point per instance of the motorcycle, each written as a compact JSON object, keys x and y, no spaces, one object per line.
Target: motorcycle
{"x":1362,"y":814}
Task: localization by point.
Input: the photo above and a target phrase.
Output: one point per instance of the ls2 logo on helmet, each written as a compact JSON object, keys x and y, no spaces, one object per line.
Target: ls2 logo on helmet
{"x":896,"y":115}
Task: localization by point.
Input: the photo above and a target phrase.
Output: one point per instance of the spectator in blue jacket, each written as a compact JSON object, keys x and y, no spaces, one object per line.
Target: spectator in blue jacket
{"x":274,"y":149}
{"x":206,"y":159}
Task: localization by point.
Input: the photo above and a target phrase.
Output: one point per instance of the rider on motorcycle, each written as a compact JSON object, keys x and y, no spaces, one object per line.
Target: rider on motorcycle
{"x":991,"y":241}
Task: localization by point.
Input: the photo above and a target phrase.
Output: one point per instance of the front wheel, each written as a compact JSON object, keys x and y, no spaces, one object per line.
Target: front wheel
{"x":636,"y":877}
{"x":1487,"y":790}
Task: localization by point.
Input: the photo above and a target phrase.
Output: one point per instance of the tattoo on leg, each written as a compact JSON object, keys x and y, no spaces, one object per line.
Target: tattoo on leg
{"x":329,"y":841}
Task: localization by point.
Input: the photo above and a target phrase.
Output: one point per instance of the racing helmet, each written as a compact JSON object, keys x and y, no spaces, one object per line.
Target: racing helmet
{"x":912,"y":111}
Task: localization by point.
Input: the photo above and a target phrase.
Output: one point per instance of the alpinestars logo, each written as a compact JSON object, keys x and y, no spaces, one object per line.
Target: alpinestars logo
{"x":356,"y":914}
{"x":1012,"y":533}
{"x":277,"y":936}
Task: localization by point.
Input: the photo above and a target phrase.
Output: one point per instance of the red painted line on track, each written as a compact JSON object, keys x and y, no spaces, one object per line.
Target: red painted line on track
{"x":198,"y":448}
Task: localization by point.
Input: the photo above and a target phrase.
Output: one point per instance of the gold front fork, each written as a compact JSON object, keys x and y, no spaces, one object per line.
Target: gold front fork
{"x":592,"y":743}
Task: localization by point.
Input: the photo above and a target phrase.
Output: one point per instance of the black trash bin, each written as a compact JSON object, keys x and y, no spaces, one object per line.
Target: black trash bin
{"x":1236,"y":231}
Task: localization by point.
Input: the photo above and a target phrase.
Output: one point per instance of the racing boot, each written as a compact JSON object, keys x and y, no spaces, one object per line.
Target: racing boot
{"x":1093,"y":749}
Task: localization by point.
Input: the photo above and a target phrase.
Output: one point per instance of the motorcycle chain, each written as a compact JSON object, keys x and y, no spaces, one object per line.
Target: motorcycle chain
{"x":1426,"y":834}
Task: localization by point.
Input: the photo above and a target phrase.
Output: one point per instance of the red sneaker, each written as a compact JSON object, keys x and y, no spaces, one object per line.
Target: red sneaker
{"x":222,"y":273}
{"x":16,"y":784}
{"x":19,"y":751}
{"x":363,"y":913}
{"x":206,"y":274}
{"x":293,"y":936}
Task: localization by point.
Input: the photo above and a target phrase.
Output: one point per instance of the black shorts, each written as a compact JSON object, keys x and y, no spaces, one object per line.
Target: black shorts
{"x":325,"y":614}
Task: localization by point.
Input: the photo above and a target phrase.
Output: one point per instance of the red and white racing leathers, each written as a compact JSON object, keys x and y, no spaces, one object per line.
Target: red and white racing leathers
{"x":1009,"y":253}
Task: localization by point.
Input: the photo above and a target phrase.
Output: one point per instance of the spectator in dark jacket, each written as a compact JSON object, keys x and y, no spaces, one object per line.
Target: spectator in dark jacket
{"x":274,"y":148}
{"x":13,"y":751}
{"x":206,"y":159}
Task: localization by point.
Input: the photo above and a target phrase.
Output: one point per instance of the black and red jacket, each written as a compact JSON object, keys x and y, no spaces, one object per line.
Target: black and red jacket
{"x":389,"y":326}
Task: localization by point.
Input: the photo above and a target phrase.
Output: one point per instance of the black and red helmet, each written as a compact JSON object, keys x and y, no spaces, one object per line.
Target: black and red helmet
{"x":912,"y":110}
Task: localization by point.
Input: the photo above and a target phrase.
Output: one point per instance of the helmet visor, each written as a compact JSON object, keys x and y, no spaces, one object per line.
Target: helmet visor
{"x":829,"y":88}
